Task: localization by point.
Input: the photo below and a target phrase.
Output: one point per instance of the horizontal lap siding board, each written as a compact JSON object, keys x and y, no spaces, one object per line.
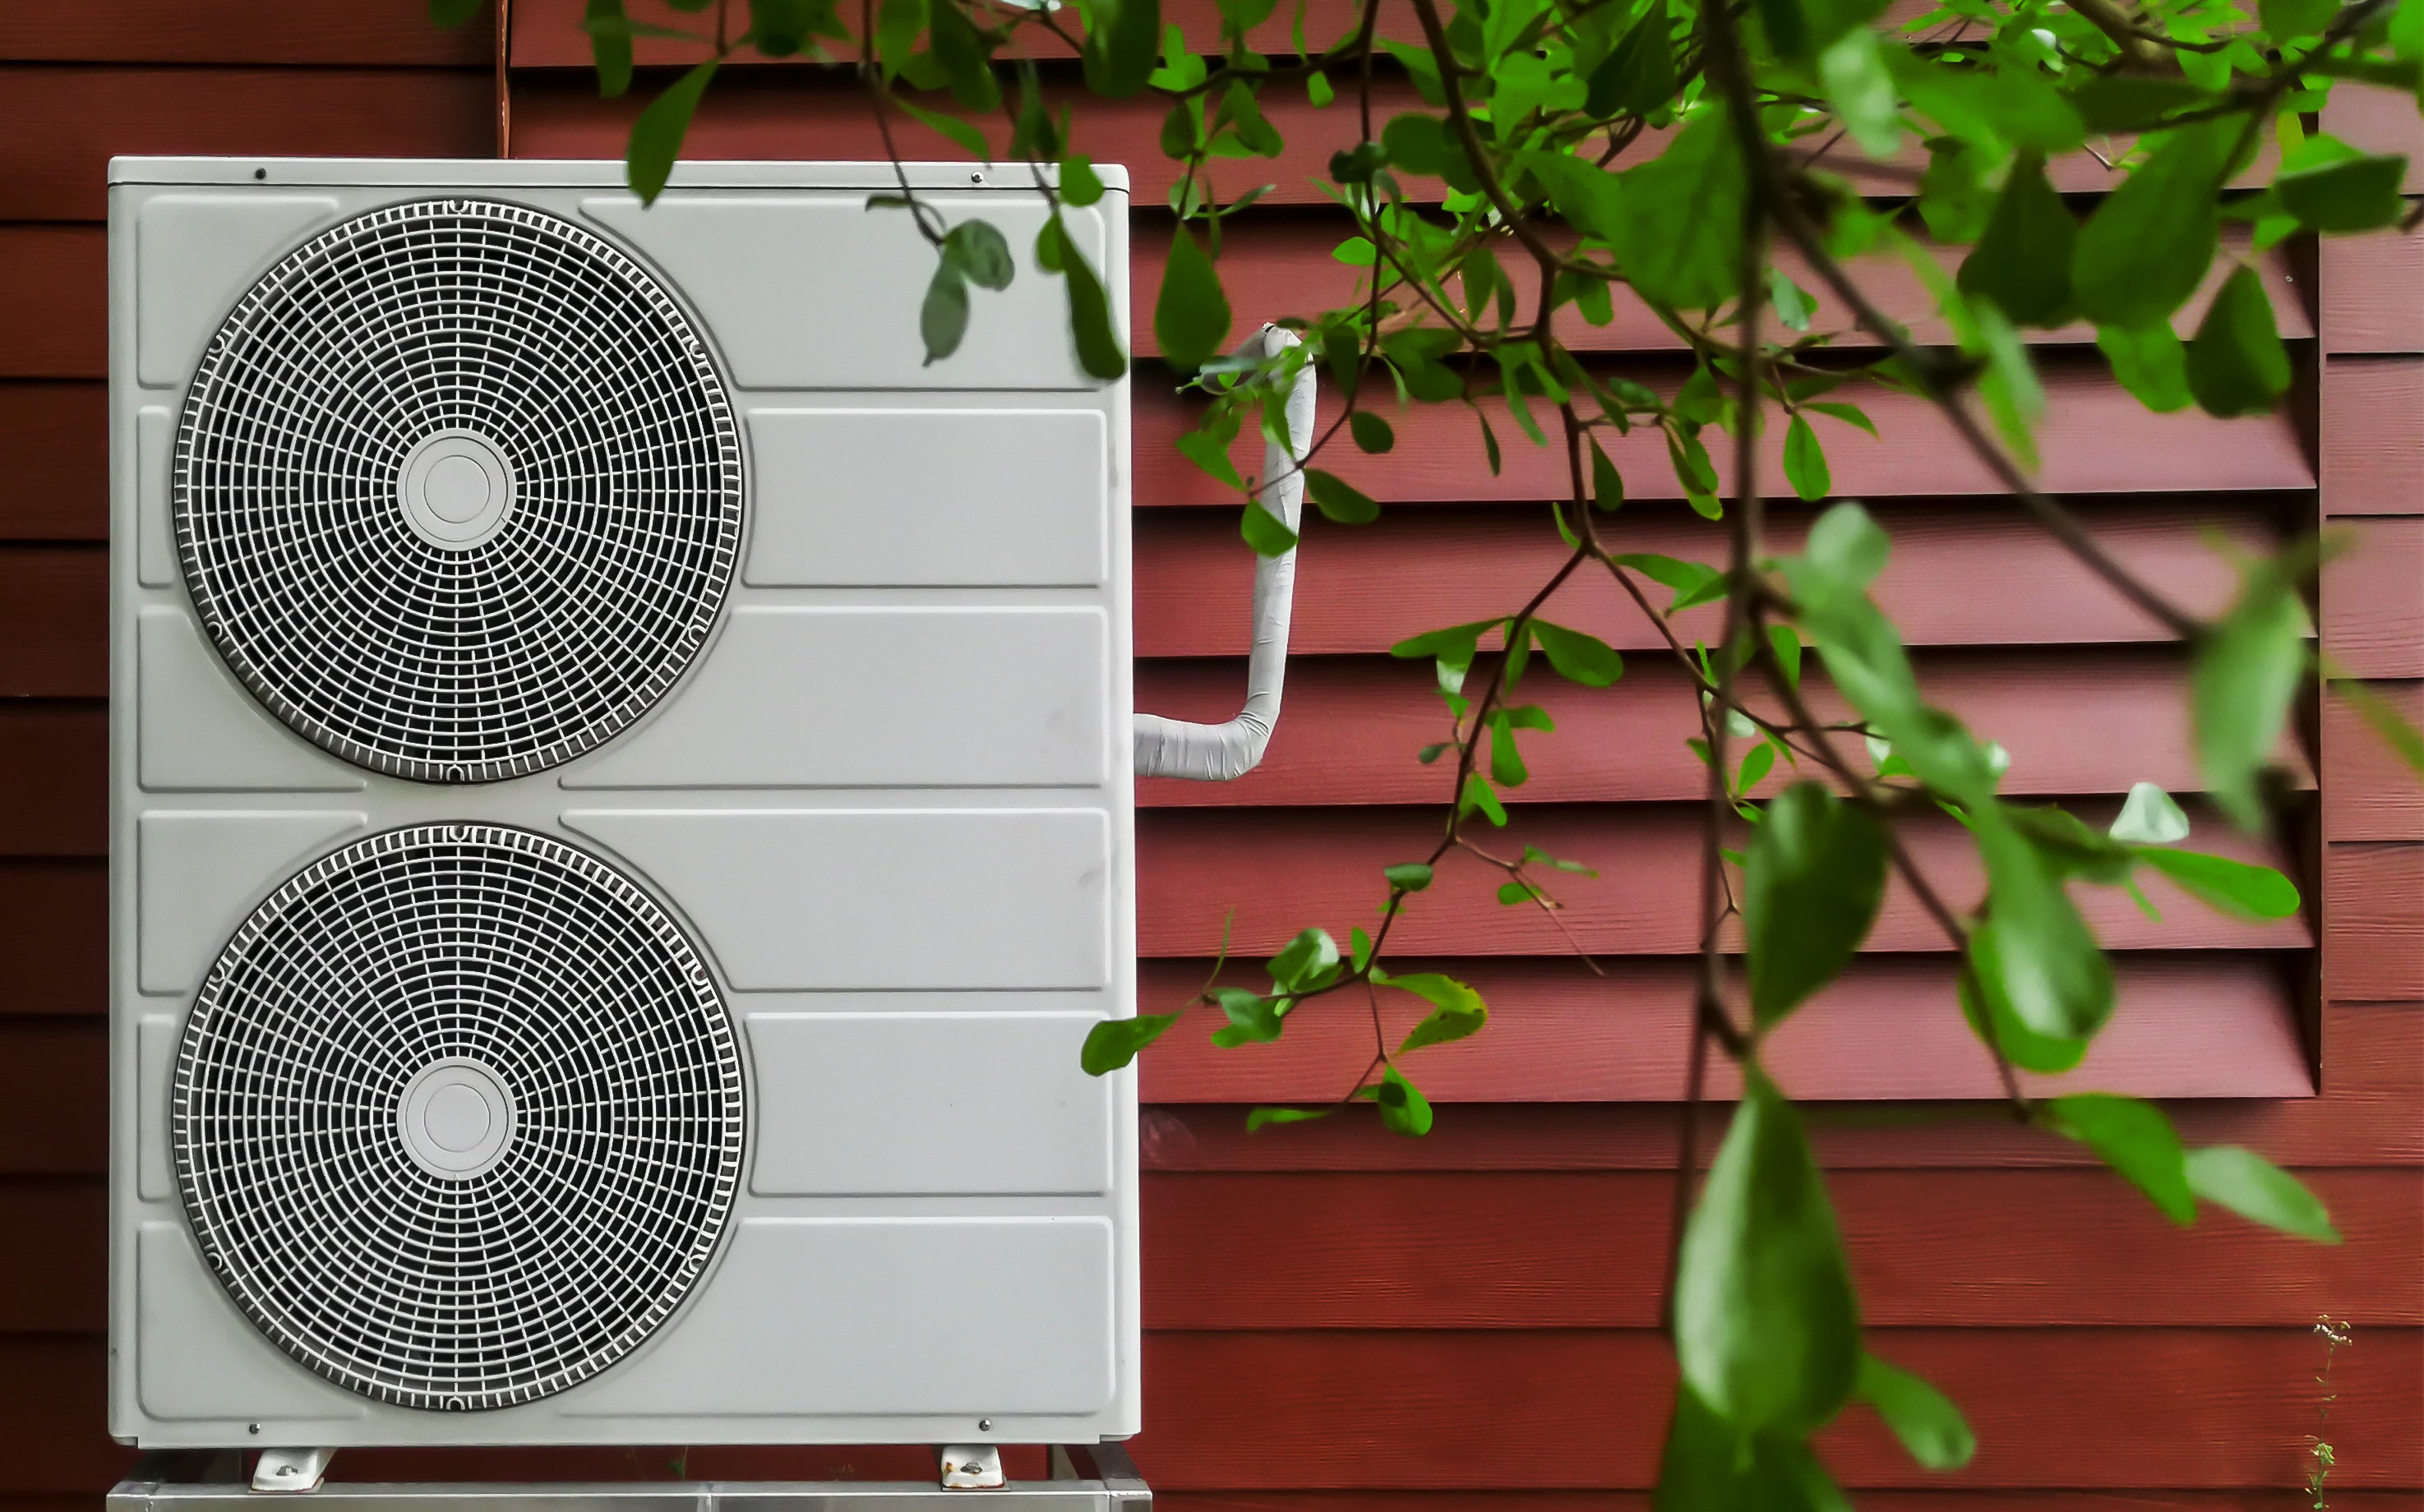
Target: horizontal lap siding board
{"x":1574,"y":1409}
{"x":782,"y":111}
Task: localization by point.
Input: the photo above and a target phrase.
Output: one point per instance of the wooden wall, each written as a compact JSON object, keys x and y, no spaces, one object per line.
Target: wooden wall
{"x":1342,"y":1321}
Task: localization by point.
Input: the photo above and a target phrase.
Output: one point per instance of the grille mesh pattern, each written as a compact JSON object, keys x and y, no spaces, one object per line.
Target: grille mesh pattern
{"x":560,"y":357}
{"x":577,"y":996}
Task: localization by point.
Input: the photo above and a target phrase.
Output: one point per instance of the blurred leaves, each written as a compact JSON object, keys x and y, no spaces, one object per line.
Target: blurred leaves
{"x":1766,"y":1328}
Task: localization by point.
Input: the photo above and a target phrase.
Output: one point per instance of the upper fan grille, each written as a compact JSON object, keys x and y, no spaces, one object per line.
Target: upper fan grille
{"x":458,"y":489}
{"x":457,"y":1116}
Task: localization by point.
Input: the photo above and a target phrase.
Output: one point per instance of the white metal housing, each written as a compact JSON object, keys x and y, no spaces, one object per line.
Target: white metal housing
{"x":742,"y":937}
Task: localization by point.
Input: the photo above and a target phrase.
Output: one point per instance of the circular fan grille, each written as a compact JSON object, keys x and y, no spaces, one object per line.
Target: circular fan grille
{"x":457,"y":1116}
{"x":458,"y":489}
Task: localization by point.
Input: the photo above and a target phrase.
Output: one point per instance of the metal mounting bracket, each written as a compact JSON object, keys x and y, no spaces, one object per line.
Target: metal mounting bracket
{"x":971,"y":1466}
{"x":291,"y":1470}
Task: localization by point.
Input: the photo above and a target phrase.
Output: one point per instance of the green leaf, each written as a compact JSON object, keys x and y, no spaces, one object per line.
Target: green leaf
{"x":2052,"y":971}
{"x":1639,"y":74}
{"x":1403,"y":1107}
{"x":1846,"y":545}
{"x":1079,"y":183}
{"x":2355,"y":194}
{"x":1589,"y":197}
{"x":1768,"y":1330}
{"x":1340,"y":500}
{"x":1266,"y":532}
{"x":1123,"y":43}
{"x":611,"y":50}
{"x":1372,"y":433}
{"x":1421,"y":143}
{"x":1815,"y":877}
{"x":1799,"y":30}
{"x":1953,"y":198}
{"x":2149,"y":817}
{"x":1853,"y":69}
{"x":1848,"y":414}
{"x":1679,"y":239}
{"x":1805,"y":461}
{"x":1090,"y":311}
{"x":1253,"y":1019}
{"x":2381,"y":715}
{"x":898,"y":23}
{"x":1306,"y":961}
{"x":1457,"y":1010}
{"x":2068,"y":845}
{"x":943,"y":319}
{"x":975,"y":247}
{"x":2136,"y":1139}
{"x":1407,"y":876}
{"x":2245,"y":677}
{"x":1264,"y":1117}
{"x":1710,"y":1464}
{"x":2286,"y":18}
{"x":657,"y":135}
{"x":2023,"y":261}
{"x":2151,"y":364}
{"x":963,"y":135}
{"x":2234,"y":887}
{"x":1672,"y":572}
{"x":1989,"y":1012}
{"x":2145,"y":251}
{"x":1755,"y":767}
{"x":2258,"y":1191}
{"x":2112,"y":103}
{"x":959,"y":52}
{"x":1578,"y":657}
{"x":1453,"y":647}
{"x":2237,"y":364}
{"x":1506,"y":762}
{"x":454,"y":12}
{"x":1191,"y":317}
{"x":1248,"y":132}
{"x":1478,"y":798}
{"x":1931,"y":1428}
{"x":1607,"y":484}
{"x":1786,"y":643}
{"x":1792,"y":303}
{"x":1114,"y":1043}
{"x":779,"y":29}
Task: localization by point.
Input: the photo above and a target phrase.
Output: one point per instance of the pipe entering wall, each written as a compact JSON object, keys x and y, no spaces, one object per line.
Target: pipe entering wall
{"x":1220,"y":753}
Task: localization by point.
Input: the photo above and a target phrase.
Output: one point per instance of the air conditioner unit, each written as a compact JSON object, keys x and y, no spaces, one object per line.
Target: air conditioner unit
{"x":622,"y":814}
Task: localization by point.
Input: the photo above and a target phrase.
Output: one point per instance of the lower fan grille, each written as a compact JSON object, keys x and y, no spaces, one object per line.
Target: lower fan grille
{"x":457,"y":1116}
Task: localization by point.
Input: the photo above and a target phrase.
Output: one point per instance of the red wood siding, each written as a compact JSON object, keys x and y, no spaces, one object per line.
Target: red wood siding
{"x":1344,"y":1322}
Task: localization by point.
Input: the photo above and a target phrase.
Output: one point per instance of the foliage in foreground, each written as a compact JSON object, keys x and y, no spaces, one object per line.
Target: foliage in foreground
{"x":1697,"y":161}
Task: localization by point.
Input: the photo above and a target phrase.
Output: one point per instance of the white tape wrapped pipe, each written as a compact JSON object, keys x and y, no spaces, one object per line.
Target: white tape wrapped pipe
{"x":1221,"y":753}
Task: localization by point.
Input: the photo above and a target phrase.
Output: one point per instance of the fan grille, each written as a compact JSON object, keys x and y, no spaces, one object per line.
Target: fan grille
{"x":457,"y":490}
{"x":457,"y":1116}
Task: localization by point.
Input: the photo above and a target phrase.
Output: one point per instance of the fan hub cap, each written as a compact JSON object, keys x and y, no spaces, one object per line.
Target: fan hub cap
{"x":456,"y":489}
{"x":457,"y":1118}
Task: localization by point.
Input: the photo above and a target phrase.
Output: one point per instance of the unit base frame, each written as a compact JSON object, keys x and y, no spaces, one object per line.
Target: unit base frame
{"x":1084,"y":1478}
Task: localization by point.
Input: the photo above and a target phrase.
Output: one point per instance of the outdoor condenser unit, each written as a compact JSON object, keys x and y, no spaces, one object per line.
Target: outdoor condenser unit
{"x":622,"y":812}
